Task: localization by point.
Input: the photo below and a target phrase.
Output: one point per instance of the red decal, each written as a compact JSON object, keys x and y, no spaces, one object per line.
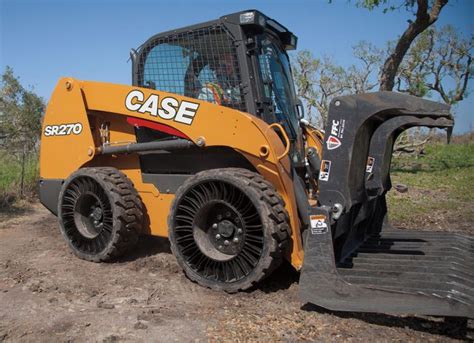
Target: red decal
{"x":156,"y":126}
{"x":333,"y":143}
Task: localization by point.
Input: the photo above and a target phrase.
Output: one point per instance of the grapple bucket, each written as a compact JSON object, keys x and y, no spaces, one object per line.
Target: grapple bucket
{"x":354,"y":259}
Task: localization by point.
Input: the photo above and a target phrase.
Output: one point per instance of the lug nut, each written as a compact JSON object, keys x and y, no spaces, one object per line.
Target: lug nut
{"x":218,"y":236}
{"x":239,"y":231}
{"x":214,"y":226}
{"x":235,"y":240}
{"x":226,"y":242}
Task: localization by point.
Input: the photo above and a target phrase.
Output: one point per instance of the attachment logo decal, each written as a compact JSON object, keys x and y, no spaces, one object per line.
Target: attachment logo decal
{"x":337,"y":133}
{"x":333,"y":143}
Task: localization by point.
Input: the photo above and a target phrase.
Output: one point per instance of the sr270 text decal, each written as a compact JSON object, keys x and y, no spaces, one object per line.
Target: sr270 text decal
{"x":63,"y":129}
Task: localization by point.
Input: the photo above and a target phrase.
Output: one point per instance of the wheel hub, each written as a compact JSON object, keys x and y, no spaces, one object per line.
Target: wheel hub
{"x":226,"y":228}
{"x":97,"y":213}
{"x":225,"y":234}
{"x":89,"y":215}
{"x":96,"y":216}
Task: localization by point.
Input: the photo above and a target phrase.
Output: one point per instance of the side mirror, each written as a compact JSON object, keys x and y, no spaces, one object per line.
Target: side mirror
{"x":300,"y":108}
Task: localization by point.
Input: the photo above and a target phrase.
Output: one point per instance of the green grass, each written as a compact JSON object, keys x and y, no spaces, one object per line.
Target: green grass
{"x":10,"y":176}
{"x":437,"y":157}
{"x":441,"y":187}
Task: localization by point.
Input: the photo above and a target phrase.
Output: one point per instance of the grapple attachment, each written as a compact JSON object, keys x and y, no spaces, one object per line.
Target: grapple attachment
{"x":354,"y":259}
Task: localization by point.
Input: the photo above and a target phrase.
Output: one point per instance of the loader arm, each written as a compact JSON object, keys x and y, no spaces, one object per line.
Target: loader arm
{"x":202,"y":125}
{"x":354,"y":259}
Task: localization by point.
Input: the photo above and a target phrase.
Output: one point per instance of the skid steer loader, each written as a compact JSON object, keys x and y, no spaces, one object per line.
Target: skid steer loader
{"x":208,"y":148}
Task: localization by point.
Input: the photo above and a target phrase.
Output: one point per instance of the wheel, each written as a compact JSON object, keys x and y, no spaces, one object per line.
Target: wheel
{"x":228,"y":228}
{"x":100,"y":213}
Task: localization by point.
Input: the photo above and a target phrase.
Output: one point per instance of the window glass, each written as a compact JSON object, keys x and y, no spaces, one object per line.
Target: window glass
{"x":278,"y":84}
{"x":165,"y":68}
{"x":201,"y":64}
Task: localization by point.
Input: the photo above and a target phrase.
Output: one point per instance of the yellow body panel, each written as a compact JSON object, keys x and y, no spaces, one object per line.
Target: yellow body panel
{"x":314,"y":139}
{"x":61,"y":155}
{"x":92,"y":103}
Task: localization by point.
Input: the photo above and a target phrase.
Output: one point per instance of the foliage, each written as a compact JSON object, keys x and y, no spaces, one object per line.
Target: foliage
{"x":426,"y":13}
{"x":440,"y":61}
{"x":387,"y":5}
{"x":10,"y":177}
{"x":21,"y":111}
{"x":20,"y":114}
{"x":318,"y":80}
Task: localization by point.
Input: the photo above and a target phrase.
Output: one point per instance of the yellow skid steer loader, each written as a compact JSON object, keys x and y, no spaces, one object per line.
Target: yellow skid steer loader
{"x":208,"y":148}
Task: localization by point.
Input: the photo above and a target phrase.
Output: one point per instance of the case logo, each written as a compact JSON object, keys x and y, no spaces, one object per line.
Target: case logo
{"x":167,"y":108}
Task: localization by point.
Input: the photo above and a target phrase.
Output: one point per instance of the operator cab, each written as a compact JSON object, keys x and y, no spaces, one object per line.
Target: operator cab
{"x":239,"y":61}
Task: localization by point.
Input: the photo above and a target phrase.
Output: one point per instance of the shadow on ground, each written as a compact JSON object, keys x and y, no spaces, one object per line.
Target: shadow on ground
{"x":12,"y":211}
{"x":280,"y":279}
{"x":456,"y":328}
{"x":147,"y":246}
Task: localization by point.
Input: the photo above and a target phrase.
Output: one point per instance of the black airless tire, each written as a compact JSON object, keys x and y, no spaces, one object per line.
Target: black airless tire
{"x":228,"y":228}
{"x":100,"y":213}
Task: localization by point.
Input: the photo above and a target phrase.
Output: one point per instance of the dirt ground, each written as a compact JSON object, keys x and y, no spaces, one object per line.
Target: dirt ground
{"x":47,"y":294}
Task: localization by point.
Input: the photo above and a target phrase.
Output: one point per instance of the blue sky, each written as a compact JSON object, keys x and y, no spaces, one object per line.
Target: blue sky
{"x":44,"y":40}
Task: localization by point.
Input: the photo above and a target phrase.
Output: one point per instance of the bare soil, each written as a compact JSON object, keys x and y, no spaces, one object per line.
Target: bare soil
{"x":47,"y":294}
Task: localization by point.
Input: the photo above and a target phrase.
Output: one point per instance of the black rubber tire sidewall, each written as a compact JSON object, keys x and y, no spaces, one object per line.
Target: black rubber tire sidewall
{"x":271,"y":254}
{"x":124,"y":235}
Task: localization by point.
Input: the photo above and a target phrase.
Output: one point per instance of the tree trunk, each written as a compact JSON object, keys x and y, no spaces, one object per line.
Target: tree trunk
{"x":424,"y":18}
{"x":22,"y":181}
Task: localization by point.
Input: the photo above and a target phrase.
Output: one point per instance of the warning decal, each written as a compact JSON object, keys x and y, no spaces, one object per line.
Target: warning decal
{"x":318,"y":224}
{"x":370,"y":165}
{"x":325,"y":170}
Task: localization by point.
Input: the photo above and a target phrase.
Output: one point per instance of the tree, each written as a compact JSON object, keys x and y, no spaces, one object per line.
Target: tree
{"x":362,"y":77}
{"x":21,"y":111}
{"x":439,"y":62}
{"x":318,"y":80}
{"x":426,"y":14}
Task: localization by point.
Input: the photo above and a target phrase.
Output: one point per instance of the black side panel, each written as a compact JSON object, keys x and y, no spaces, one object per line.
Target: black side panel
{"x":165,"y":183}
{"x":49,"y":193}
{"x":192,"y":161}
